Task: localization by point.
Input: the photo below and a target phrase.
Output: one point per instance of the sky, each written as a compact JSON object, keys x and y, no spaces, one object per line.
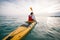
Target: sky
{"x":21,"y":7}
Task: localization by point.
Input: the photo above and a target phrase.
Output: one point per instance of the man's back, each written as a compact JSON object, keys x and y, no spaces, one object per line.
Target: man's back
{"x":31,"y":17}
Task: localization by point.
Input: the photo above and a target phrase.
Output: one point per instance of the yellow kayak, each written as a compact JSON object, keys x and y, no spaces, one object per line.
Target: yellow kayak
{"x":20,"y":32}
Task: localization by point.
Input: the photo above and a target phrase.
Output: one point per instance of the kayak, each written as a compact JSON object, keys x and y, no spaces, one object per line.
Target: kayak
{"x":20,"y":32}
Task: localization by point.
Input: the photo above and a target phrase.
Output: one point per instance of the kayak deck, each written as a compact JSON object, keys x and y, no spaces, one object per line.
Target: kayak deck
{"x":20,"y":32}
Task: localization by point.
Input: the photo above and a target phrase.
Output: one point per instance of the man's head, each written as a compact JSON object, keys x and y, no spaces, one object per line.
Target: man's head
{"x":31,"y":13}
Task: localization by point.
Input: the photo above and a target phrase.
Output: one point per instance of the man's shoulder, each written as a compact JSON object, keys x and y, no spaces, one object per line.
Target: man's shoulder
{"x":30,"y":15}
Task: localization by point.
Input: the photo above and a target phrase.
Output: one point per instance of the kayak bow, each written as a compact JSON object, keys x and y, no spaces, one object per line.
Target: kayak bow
{"x":20,"y":32}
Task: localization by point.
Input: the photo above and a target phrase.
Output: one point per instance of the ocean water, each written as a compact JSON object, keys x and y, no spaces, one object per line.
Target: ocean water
{"x":47,"y":28}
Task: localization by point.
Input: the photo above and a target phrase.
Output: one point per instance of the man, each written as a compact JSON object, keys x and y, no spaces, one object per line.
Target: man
{"x":31,"y":17}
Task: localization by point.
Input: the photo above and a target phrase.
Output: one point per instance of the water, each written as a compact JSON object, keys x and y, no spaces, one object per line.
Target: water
{"x":47,"y":28}
{"x":8,"y":24}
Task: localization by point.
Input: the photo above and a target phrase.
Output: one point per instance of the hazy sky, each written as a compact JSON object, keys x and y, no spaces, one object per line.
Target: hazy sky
{"x":21,"y":7}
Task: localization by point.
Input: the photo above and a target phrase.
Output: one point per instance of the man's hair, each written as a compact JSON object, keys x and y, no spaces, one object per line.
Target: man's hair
{"x":31,"y":13}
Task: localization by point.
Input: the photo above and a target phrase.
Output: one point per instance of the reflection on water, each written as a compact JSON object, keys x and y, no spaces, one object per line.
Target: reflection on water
{"x":47,"y":28}
{"x":54,"y":21}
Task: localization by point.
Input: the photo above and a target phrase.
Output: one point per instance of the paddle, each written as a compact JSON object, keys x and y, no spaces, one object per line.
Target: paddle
{"x":31,"y":9}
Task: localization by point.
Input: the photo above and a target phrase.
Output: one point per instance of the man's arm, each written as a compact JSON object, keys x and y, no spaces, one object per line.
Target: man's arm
{"x":33,"y":17}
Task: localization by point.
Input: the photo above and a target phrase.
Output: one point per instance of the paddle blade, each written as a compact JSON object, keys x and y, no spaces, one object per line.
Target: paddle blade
{"x":31,"y":9}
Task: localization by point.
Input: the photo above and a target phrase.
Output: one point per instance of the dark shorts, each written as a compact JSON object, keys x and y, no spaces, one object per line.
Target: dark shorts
{"x":26,"y":24}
